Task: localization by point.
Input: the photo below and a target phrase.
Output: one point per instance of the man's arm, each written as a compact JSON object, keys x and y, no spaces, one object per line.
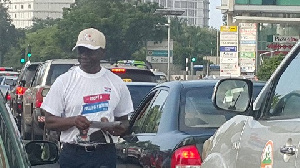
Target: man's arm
{"x":56,"y":123}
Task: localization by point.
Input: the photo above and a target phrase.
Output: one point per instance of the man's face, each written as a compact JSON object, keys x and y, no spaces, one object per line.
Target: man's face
{"x":88,"y":57}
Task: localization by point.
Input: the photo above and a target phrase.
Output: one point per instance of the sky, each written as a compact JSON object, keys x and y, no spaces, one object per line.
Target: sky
{"x":215,"y":14}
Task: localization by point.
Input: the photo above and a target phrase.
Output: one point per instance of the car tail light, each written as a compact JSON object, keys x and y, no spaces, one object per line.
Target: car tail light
{"x":20,"y":106}
{"x":8,"y":97}
{"x":39,"y":98}
{"x":118,"y":70}
{"x":20,"y":90}
{"x":185,"y":157}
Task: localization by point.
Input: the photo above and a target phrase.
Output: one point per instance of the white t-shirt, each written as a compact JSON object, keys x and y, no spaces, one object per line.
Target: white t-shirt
{"x":76,"y":92}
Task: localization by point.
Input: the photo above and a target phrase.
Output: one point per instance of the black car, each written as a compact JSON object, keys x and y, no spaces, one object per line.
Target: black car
{"x":169,"y":127}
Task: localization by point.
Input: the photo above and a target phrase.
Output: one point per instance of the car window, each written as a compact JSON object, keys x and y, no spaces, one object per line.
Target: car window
{"x":138,"y":92}
{"x":149,"y":118}
{"x":55,"y":71}
{"x":29,"y":74}
{"x":198,"y":110}
{"x":39,"y":75}
{"x":135,"y":75}
{"x":285,"y":102}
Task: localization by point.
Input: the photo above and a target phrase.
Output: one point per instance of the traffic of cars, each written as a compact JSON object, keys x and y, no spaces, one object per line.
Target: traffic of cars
{"x":170,"y":118}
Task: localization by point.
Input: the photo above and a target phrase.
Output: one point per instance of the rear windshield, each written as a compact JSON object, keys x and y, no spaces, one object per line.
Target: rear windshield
{"x":198,"y":110}
{"x":55,"y":71}
{"x":137,"y":75}
{"x":138,"y":93}
{"x":29,"y":74}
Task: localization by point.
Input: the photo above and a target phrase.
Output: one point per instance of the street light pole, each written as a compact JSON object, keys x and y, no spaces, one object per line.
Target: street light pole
{"x":169,"y":13}
{"x":169,"y":37}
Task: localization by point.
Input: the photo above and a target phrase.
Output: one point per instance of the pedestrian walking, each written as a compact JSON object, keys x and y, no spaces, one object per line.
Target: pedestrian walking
{"x":82,"y":96}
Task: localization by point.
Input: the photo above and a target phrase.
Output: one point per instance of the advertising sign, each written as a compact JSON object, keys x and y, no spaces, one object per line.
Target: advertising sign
{"x":247,"y":47}
{"x":229,"y":51}
{"x":230,"y":70}
{"x":228,"y":43}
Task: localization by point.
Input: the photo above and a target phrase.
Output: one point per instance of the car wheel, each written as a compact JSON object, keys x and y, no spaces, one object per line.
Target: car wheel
{"x":24,"y":130}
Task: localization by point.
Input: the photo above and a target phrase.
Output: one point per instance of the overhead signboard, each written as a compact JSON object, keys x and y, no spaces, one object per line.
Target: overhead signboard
{"x":156,"y":59}
{"x":157,"y":52}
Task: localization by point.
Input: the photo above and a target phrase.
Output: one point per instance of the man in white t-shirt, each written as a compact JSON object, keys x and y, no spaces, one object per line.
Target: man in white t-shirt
{"x":82,"y":96}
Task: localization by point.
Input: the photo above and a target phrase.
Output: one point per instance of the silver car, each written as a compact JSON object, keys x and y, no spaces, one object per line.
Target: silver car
{"x":267,"y":131}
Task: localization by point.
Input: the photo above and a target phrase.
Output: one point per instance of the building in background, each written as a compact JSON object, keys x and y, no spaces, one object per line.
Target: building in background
{"x":23,"y":12}
{"x":266,"y":28}
{"x":196,"y":11}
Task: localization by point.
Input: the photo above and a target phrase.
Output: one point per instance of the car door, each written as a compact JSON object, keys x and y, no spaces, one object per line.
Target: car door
{"x":145,"y":128}
{"x":28,"y":97}
{"x":273,"y":140}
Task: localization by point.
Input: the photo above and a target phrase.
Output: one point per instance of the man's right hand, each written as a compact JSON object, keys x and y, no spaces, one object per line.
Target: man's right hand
{"x":81,"y":122}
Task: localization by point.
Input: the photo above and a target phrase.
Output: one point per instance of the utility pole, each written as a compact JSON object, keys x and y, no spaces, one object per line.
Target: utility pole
{"x":186,"y":68}
{"x":218,"y":52}
{"x":192,"y":69}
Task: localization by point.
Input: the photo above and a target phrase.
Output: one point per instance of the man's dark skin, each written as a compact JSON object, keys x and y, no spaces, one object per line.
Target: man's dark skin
{"x":90,"y":63}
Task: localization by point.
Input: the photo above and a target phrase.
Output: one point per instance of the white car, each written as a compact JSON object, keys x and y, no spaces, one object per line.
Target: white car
{"x":266,"y":133}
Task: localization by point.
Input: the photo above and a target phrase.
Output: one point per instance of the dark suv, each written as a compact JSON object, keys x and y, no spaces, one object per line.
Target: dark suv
{"x":33,"y":118}
{"x":23,"y":82}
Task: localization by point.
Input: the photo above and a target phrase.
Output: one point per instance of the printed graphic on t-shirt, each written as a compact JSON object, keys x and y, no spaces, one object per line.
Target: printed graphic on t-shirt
{"x":95,"y":103}
{"x":107,"y":89}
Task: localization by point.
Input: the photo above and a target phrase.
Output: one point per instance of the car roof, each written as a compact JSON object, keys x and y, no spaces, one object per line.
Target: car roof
{"x":201,"y":83}
{"x":190,"y":83}
{"x":158,"y":73}
{"x":63,"y":61}
{"x":141,"y":83}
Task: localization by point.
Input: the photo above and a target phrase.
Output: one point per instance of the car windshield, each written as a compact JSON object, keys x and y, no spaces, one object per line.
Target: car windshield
{"x":55,"y":71}
{"x":199,"y":112}
{"x":138,"y":92}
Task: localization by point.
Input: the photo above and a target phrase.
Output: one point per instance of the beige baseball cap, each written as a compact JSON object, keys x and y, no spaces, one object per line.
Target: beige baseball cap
{"x":90,"y":38}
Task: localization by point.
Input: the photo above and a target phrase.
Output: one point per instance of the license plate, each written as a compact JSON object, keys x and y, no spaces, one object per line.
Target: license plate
{"x":127,"y":80}
{"x":41,"y":118}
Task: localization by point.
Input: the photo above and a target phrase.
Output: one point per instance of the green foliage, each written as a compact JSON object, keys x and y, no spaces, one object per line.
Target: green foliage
{"x":127,"y":27}
{"x":8,"y":34}
{"x":268,"y":67}
{"x":194,"y":41}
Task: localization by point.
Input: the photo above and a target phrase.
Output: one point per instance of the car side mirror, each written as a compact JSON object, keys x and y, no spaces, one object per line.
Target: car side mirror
{"x":41,"y":152}
{"x":233,"y":94}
